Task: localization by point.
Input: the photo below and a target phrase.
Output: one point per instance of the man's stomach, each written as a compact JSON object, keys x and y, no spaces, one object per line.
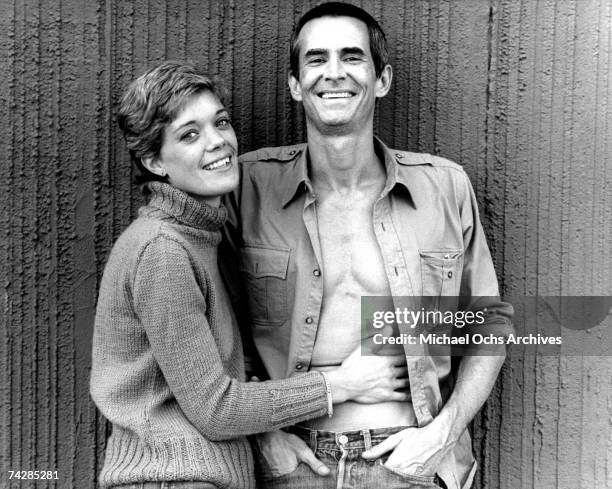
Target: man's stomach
{"x":351,"y":416}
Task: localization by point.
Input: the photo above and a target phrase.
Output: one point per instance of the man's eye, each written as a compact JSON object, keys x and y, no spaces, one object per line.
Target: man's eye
{"x":352,"y":59}
{"x":316,"y":61}
{"x":189,"y":136}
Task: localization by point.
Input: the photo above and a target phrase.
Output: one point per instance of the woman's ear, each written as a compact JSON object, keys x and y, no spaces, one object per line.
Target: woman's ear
{"x":153,"y":165}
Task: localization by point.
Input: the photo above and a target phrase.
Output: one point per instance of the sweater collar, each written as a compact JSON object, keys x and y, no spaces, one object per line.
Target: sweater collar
{"x":185,"y":209}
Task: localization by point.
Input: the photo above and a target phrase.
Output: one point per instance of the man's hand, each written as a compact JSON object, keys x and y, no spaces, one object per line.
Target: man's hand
{"x":415,"y":451}
{"x":284,"y":451}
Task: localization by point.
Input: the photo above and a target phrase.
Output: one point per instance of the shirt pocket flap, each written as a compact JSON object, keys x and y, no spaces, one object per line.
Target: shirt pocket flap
{"x":264,"y":262}
{"x":440,"y":255}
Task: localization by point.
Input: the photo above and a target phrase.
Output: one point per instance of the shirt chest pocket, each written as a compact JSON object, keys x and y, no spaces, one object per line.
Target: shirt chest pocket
{"x":441,"y":271}
{"x":265,"y":274}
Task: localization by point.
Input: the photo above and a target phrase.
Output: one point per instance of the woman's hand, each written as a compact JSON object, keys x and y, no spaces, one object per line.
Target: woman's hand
{"x":369,"y":378}
{"x":283,"y":452}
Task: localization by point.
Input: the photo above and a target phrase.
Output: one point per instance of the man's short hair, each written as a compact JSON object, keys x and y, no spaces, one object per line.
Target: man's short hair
{"x":151,"y":102}
{"x":378,"y":41}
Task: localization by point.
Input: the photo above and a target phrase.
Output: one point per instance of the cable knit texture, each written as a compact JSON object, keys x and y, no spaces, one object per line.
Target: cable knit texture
{"x":167,"y":367}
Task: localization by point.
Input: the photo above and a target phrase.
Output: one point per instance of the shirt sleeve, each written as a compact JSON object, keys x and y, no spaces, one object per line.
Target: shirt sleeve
{"x":479,"y":288}
{"x":228,"y":265}
{"x":172,"y":307}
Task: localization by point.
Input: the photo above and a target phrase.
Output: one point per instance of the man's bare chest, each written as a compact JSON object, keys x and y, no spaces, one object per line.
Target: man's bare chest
{"x":351,"y":255}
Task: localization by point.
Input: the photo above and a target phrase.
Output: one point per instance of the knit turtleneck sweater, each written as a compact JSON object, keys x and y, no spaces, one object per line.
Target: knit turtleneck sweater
{"x":167,"y":366}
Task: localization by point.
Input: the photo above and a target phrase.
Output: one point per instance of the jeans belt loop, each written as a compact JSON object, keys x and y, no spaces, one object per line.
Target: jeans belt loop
{"x":313,"y":440}
{"x":367,"y":439}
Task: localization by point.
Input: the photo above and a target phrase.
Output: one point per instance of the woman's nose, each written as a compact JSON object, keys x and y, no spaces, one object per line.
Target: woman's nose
{"x":215,"y":141}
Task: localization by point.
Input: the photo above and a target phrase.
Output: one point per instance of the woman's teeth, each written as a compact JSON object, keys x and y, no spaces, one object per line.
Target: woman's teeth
{"x":218,"y":164}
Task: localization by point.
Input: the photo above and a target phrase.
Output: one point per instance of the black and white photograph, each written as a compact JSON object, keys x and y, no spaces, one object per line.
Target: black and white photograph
{"x":306,"y":244}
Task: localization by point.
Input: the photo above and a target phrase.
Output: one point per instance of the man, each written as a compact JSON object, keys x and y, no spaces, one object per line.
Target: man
{"x":319,"y":226}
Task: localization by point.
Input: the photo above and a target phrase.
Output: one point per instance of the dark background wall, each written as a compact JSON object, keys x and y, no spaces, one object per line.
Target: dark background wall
{"x":517,"y":91}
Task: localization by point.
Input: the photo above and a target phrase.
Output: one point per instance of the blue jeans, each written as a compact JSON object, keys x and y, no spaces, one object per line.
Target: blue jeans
{"x":341,"y":452}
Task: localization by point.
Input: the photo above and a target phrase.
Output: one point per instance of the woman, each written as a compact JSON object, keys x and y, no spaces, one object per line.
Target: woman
{"x":167,"y":358}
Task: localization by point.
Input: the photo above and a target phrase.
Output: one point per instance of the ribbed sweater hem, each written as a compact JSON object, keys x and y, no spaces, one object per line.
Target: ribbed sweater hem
{"x":129,"y":460}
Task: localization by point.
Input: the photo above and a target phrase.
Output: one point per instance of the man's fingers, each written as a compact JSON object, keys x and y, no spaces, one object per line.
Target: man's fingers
{"x":383,"y":447}
{"x":306,"y":455}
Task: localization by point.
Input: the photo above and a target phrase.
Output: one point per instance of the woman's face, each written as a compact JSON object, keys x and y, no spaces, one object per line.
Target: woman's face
{"x":199,"y":151}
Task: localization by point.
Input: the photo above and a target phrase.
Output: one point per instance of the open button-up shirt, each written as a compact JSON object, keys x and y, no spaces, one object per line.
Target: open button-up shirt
{"x":431,"y":240}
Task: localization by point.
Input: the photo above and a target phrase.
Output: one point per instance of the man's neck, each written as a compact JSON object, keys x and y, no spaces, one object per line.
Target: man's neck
{"x":343,"y":163}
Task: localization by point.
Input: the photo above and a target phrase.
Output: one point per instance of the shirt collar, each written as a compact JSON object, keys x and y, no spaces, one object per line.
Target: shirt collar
{"x":298,"y":181}
{"x":297,"y":177}
{"x":396,"y":179}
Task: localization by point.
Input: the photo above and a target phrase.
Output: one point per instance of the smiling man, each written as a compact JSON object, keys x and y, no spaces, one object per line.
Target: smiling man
{"x":320,"y":225}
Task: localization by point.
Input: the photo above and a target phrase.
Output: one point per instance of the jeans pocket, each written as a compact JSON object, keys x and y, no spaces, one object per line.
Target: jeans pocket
{"x":417,"y":480}
{"x":265,"y":275}
{"x":441,"y":272}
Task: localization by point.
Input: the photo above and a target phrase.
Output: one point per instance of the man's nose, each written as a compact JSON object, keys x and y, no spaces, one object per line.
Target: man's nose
{"x":334,"y":69}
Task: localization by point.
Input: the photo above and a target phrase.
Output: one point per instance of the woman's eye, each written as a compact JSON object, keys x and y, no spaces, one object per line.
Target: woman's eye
{"x":189,"y":136}
{"x":225,"y":122}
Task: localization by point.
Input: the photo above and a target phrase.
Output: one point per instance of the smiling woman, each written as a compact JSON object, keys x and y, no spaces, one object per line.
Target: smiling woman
{"x":167,"y":366}
{"x":199,"y":150}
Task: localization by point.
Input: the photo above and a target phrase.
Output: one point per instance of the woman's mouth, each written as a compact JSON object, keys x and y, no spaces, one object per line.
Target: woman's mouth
{"x":218,"y":164}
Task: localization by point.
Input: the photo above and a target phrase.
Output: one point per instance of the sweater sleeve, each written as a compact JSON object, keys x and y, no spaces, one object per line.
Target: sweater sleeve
{"x":172,"y":307}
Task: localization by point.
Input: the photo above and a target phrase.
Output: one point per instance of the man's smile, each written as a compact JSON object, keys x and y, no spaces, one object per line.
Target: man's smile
{"x":335,"y":94}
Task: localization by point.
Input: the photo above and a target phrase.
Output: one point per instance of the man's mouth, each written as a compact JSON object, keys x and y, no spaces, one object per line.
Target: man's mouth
{"x":334,"y":95}
{"x":216,"y":165}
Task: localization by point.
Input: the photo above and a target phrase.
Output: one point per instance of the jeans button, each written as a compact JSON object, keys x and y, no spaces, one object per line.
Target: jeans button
{"x":343,"y":439}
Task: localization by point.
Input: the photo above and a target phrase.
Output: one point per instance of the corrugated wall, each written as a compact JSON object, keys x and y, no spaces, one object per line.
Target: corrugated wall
{"x":517,"y":91}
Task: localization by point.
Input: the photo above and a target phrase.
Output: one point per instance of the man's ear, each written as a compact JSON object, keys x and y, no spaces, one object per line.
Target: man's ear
{"x":383,"y":83}
{"x":153,"y":165}
{"x":295,"y":88}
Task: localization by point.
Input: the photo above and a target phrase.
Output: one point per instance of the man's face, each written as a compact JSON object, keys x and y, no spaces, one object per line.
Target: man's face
{"x":337,"y":80}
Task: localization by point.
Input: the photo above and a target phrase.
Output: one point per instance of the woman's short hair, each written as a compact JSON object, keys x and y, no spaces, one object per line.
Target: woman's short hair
{"x":151,"y":102}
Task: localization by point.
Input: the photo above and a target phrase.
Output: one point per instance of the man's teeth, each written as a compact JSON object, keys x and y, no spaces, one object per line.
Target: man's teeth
{"x":218,"y":164}
{"x":336,"y":95}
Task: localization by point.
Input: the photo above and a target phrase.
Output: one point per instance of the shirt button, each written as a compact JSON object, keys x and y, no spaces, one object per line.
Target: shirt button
{"x":316,"y":272}
{"x":450,"y":274}
{"x":399,"y":155}
{"x":292,"y":152}
{"x":308,"y":320}
{"x":343,"y":439}
{"x":299,"y":366}
{"x":446,"y":257}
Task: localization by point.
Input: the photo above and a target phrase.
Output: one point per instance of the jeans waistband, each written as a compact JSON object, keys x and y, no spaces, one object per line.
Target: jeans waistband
{"x":342,"y":440}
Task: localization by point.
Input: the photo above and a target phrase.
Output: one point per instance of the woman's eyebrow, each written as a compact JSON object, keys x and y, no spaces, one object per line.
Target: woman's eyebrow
{"x":187,"y":123}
